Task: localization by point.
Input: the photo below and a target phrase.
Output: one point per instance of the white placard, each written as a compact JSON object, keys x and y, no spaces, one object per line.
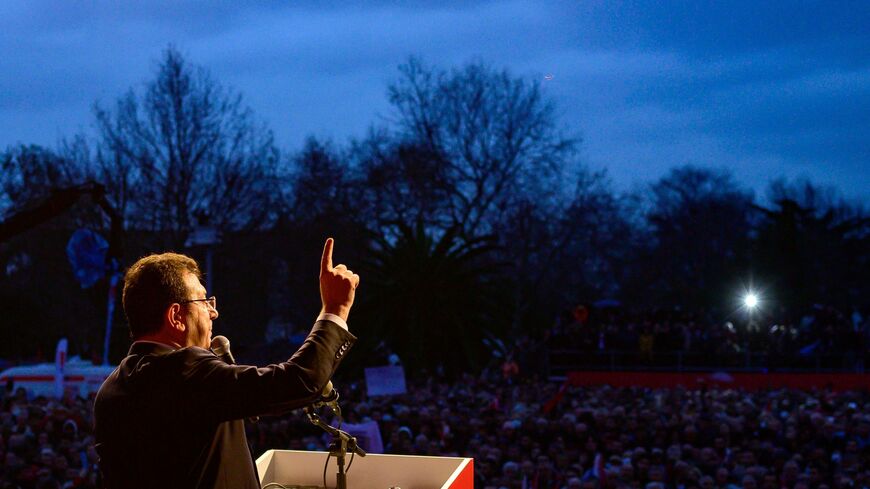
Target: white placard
{"x":385,"y":381}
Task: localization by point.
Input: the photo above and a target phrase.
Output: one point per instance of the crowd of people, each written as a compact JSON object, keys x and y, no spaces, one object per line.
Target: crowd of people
{"x":530,"y":434}
{"x":46,"y":443}
{"x":603,"y":437}
{"x":822,"y":337}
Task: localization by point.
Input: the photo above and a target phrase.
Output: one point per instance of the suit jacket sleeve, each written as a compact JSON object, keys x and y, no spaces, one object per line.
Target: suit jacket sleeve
{"x":222,"y":392}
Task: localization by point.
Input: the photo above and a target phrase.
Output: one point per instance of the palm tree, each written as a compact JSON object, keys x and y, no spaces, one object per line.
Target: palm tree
{"x":432,"y":301}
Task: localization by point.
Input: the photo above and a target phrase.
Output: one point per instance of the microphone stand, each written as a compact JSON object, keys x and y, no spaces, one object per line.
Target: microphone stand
{"x":341,"y":443}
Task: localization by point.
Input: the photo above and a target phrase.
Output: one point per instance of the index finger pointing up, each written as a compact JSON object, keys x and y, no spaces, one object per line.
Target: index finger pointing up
{"x":326,"y":261}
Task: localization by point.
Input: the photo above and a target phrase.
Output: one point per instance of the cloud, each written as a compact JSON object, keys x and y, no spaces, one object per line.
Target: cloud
{"x":648,"y":85}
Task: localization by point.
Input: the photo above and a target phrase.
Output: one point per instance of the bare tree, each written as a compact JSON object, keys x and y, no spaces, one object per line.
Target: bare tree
{"x":29,"y":173}
{"x":320,"y":184}
{"x":186,"y":147}
{"x":480,"y":151}
{"x":565,"y":249}
{"x":494,"y":136}
{"x":699,"y":220}
{"x":403,"y":182}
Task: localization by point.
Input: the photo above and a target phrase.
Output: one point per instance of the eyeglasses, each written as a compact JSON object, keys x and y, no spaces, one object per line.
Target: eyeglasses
{"x":210,"y":302}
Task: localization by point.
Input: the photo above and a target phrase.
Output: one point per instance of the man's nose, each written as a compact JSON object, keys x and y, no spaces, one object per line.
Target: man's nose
{"x":213,"y":314}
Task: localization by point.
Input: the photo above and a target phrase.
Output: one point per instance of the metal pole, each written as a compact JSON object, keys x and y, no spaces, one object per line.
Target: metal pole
{"x":340,"y":476}
{"x":110,"y":312}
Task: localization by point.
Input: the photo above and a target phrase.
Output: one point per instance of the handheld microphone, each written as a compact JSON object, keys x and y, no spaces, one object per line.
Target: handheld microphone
{"x":220,"y":346}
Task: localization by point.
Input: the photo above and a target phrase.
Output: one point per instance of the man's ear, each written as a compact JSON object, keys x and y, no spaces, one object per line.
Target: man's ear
{"x":174,"y":317}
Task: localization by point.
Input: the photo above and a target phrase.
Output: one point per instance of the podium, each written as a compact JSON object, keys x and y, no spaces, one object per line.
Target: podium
{"x":374,"y":471}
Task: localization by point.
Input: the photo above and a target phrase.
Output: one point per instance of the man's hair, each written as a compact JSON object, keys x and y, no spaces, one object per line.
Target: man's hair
{"x":151,"y":285}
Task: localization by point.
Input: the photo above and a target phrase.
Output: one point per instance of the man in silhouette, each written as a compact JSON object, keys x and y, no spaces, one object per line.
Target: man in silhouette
{"x":171,"y":415}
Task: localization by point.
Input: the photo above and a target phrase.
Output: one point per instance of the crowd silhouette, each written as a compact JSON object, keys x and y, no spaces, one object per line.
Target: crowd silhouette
{"x":820,"y":337}
{"x":522,"y":433}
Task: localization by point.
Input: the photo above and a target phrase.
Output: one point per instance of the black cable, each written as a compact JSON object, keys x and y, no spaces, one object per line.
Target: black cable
{"x":324,"y":470}
{"x":347,"y":470}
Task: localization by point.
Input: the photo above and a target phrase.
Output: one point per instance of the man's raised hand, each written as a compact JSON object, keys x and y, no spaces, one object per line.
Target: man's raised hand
{"x":337,"y":284}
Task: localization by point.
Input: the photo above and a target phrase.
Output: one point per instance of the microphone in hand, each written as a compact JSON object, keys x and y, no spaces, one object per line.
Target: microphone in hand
{"x":220,"y":346}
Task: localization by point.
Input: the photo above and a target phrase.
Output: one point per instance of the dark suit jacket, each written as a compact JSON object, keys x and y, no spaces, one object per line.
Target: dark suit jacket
{"x":173,"y":418}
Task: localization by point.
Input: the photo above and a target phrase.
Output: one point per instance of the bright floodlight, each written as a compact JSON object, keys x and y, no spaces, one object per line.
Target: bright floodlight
{"x":751,"y":300}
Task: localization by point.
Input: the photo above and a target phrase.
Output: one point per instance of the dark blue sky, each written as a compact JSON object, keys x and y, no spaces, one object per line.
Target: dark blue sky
{"x":767,"y":89}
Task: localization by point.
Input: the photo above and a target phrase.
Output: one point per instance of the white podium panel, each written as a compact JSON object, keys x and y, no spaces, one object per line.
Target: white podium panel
{"x":374,"y":471}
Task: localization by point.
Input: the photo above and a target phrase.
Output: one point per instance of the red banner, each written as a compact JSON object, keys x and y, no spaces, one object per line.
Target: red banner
{"x":748,"y":381}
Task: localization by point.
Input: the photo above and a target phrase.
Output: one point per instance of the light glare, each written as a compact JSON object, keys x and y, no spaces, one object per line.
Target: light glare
{"x":751,"y":300}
